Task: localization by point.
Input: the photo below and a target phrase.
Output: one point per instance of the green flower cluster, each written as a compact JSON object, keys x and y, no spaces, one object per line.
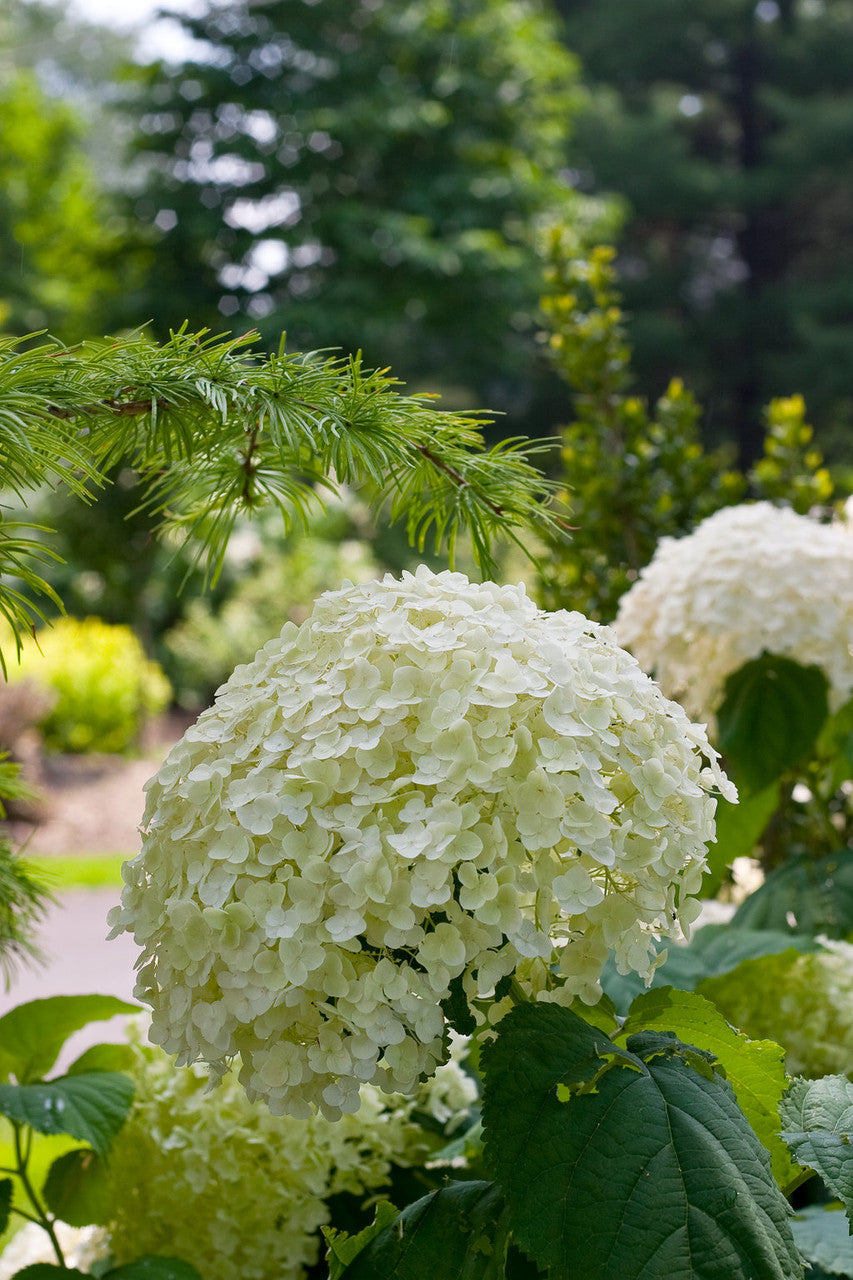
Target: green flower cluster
{"x":205,"y":1175}
{"x":803,"y":1002}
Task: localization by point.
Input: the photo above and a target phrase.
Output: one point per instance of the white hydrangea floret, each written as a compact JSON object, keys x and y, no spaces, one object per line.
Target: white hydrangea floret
{"x":430,"y":782}
{"x":750,"y":579}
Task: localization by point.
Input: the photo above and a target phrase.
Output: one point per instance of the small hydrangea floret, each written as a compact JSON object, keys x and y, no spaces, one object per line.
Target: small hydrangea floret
{"x":430,"y":782}
{"x":750,"y":579}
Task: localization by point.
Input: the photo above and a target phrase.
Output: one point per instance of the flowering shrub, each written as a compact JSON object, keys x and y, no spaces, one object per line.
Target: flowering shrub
{"x":237,"y":1191}
{"x":749,"y":579}
{"x":429,"y":784}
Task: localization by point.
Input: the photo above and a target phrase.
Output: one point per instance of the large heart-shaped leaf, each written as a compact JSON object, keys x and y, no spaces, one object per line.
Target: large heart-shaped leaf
{"x":648,"y":1172}
{"x":90,"y":1107}
{"x":754,"y":1068}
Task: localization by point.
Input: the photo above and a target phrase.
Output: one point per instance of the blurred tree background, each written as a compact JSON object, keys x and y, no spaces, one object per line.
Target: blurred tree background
{"x":365,"y":176}
{"x":386,"y":175}
{"x":728,"y":127}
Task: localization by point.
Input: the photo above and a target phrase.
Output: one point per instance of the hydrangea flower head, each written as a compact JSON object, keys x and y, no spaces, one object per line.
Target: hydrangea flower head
{"x":749,"y":579}
{"x":430,"y":782}
{"x":206,"y":1176}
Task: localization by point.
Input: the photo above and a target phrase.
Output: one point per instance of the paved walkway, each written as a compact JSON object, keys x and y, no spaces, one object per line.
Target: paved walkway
{"x":79,"y":961}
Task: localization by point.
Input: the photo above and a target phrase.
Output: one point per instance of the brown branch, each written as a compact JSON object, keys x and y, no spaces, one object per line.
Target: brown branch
{"x":125,"y":408}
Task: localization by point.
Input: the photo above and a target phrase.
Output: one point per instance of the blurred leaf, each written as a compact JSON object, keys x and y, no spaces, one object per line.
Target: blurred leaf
{"x":823,"y":1237}
{"x":803,"y":895}
{"x":713,"y":950}
{"x":77,"y":1188}
{"x":772,"y":712}
{"x":32,"y":1034}
{"x":739,"y":828}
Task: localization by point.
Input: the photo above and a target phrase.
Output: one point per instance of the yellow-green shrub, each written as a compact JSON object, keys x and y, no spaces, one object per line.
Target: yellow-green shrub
{"x":104,"y":685}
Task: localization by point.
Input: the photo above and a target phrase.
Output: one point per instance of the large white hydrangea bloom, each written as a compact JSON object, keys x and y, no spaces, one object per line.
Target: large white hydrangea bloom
{"x":749,"y":579}
{"x":428,"y":780}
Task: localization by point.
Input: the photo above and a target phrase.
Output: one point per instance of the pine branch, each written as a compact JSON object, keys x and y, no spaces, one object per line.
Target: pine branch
{"x":215,"y":428}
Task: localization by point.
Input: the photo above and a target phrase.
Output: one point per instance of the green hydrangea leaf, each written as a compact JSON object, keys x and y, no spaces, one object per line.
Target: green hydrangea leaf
{"x":341,"y":1248}
{"x":754,"y":1068}
{"x":823,"y":1238}
{"x":817,"y":1125}
{"x":102,"y":1057}
{"x":77,"y":1188}
{"x":772,"y":712}
{"x":456,"y":1233}
{"x":457,"y":1011}
{"x":32,"y":1034}
{"x":654,"y":1176}
{"x":91,"y":1107}
{"x":739,"y":828}
{"x":714,"y":949}
{"x":5,"y":1202}
{"x":152,"y":1267}
{"x":804,"y":895}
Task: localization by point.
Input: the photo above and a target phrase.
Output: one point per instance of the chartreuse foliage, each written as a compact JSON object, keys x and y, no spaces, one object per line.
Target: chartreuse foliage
{"x":89,"y":1103}
{"x":629,"y":1155}
{"x":215,"y":429}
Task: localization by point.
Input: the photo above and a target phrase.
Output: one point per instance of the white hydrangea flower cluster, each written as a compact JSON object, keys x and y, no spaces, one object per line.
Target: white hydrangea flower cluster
{"x":749,"y":579}
{"x":206,"y":1176}
{"x":429,"y":780}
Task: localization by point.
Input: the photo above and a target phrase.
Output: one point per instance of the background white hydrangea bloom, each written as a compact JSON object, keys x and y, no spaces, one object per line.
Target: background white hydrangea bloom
{"x":750,"y":578}
{"x":208,"y":1177}
{"x":429,"y":780}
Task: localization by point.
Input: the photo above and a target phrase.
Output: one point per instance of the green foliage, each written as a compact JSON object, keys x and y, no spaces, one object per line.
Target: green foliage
{"x":817,"y":1125}
{"x":630,"y":475}
{"x":90,"y":1103}
{"x":739,"y":829}
{"x":105,"y":688}
{"x":823,"y":1238}
{"x":772,"y":712}
{"x":279,"y":583}
{"x":803,"y":1002}
{"x":725,"y":127}
{"x":24,"y":893}
{"x":753,"y":1068}
{"x":215,"y":431}
{"x":53,"y":222}
{"x":805,"y":894}
{"x":32,"y":1034}
{"x":714,"y":950}
{"x":372,"y":178}
{"x":559,"y":1096}
{"x":459,"y":1231}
